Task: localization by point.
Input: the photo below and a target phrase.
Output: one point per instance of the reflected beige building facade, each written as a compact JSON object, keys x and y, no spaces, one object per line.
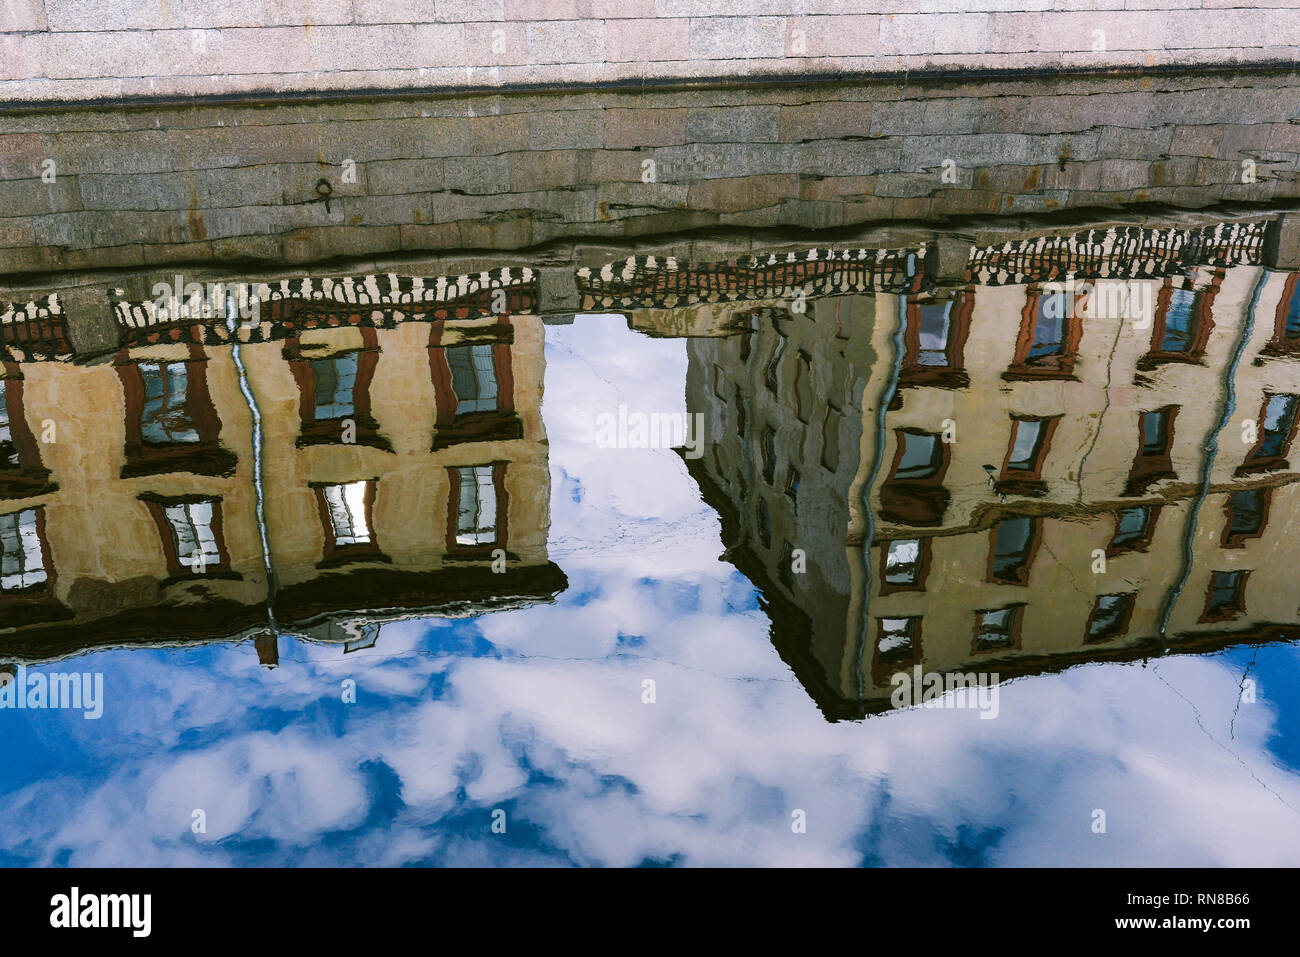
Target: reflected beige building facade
{"x":1003,"y":479}
{"x":404,"y":469}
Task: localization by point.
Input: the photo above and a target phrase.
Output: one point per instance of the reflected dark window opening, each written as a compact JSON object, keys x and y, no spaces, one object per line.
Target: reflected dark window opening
{"x":1182,"y":322}
{"x":22,"y":473}
{"x":1048,"y":338}
{"x":335,"y":379}
{"x":476,"y":513}
{"x":919,"y":455}
{"x":764,"y":522}
{"x":473,"y":376}
{"x":26,"y":572}
{"x":1153,"y":461}
{"x":171,"y":423}
{"x":1225,"y":596}
{"x":334,"y":392}
{"x":771,"y":372}
{"x":1110,"y":617}
{"x":1247,"y":512}
{"x":22,"y":551}
{"x":1026,"y":452}
{"x":347,"y":518}
{"x":1014,"y":541}
{"x":1133,"y":528}
{"x":904,"y":565}
{"x":792,"y":483}
{"x":804,"y":400}
{"x":898,"y":646}
{"x":997,"y":629}
{"x":913,"y":494}
{"x":8,"y":451}
{"x":478,"y":509}
{"x":1179,"y":322}
{"x":1277,"y":426}
{"x":767,"y":449}
{"x":191,"y":531}
{"x":1286,"y":323}
{"x":165,"y":418}
{"x":473,"y":383}
{"x":934,"y":340}
{"x":830,"y":458}
{"x":935,"y":326}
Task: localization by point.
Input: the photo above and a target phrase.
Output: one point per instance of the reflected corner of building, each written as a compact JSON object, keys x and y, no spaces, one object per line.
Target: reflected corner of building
{"x":995,"y":477}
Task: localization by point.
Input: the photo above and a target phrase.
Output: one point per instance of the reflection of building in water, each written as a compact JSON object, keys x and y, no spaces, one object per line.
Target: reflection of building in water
{"x":1035,"y":475}
{"x":401,"y":458}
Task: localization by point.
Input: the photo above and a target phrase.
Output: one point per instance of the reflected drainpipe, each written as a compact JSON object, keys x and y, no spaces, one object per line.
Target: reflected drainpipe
{"x":878,"y":458}
{"x":265,"y":643}
{"x":1211,"y":449}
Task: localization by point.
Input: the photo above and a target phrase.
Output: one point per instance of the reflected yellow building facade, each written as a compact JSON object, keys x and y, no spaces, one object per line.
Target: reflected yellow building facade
{"x":996,"y":478}
{"x":403,"y":469}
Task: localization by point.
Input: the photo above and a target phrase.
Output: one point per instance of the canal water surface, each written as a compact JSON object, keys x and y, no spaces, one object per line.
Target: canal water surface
{"x":825,"y":557}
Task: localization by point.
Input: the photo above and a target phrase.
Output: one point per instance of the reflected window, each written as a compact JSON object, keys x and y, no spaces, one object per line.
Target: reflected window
{"x":1178,"y":334}
{"x":1247,"y":512}
{"x":476,"y":508}
{"x":830,"y":458}
{"x":1225,"y":596}
{"x":767,"y":448}
{"x":804,"y":400}
{"x":1014,"y":540}
{"x":934,"y":331}
{"x":21,"y":473}
{"x":193,"y":533}
{"x":792,"y":483}
{"x":347,"y":517}
{"x":934,"y":339}
{"x":1155,"y":442}
{"x":473,"y":378}
{"x":1277,"y":423}
{"x":348,"y":512}
{"x":8,"y":450}
{"x":334,"y":391}
{"x":1110,"y":617}
{"x":764,"y":523}
{"x":1286,"y":328}
{"x":22,"y":551}
{"x":335,"y":380}
{"x":1133,"y":528}
{"x":473,"y":384}
{"x":1182,"y":323}
{"x":171,"y":424}
{"x":997,"y":629}
{"x":898,"y":645}
{"x":1048,"y":337}
{"x":189,"y":529}
{"x":913,"y":494}
{"x":165,"y":417}
{"x":772,"y":369}
{"x":904,"y":564}
{"x":1022,"y":469}
{"x":1290,"y":324}
{"x":1155,"y":432}
{"x":919,"y":455}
